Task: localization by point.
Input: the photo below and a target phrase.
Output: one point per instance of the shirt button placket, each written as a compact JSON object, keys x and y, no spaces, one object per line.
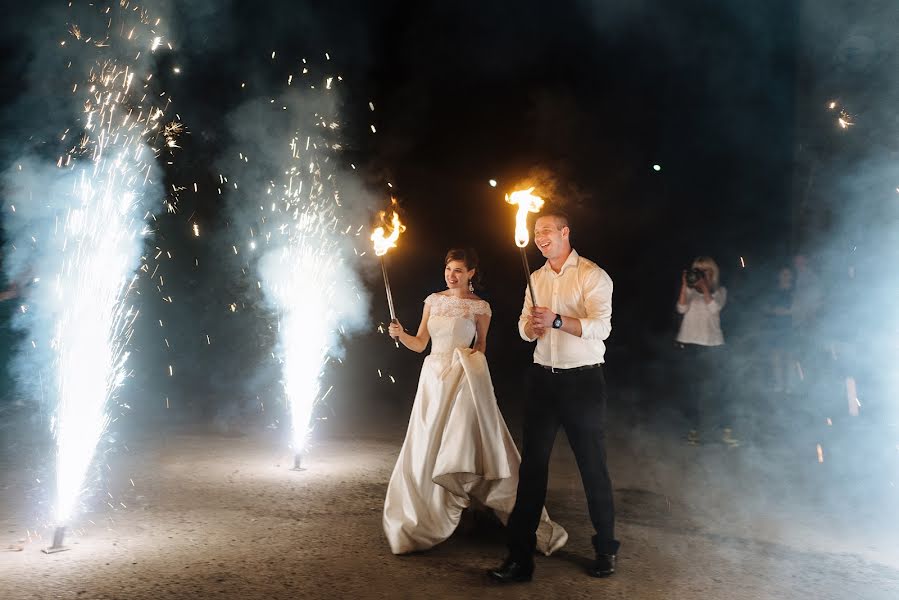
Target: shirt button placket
{"x":555,"y":308}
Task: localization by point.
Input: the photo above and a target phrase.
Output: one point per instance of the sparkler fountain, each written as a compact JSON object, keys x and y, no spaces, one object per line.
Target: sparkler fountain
{"x":303,"y":269}
{"x":89,"y":234}
{"x":296,"y":277}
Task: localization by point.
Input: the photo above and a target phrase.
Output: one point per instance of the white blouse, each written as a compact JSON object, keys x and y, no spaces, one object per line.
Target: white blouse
{"x":702,"y":321}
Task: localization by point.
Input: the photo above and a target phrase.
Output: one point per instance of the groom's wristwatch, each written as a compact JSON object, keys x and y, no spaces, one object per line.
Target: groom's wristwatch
{"x":557,"y":322}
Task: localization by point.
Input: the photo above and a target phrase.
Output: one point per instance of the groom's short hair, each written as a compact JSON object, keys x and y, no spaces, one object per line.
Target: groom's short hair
{"x":558,"y":214}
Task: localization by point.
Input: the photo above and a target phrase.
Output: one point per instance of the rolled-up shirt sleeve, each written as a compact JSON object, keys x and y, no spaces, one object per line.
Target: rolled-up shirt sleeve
{"x":597,"y":325}
{"x":682,"y":308}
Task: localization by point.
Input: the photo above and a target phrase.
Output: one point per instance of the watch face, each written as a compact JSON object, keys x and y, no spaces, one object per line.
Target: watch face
{"x":558,"y":322}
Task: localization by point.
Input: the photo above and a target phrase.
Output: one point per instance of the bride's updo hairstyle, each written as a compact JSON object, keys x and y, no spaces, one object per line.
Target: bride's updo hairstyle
{"x":470,"y":258}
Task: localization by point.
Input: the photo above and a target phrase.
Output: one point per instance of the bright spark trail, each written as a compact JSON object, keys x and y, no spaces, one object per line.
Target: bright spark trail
{"x":86,"y":260}
{"x":297,"y":275}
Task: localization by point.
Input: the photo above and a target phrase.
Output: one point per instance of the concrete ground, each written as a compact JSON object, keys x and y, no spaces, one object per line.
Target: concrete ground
{"x":195,"y":514}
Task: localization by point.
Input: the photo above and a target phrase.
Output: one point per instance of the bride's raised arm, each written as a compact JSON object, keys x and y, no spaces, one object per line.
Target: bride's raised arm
{"x":417,"y":342}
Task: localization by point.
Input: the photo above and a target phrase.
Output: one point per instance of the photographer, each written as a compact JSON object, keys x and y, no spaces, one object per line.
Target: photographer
{"x":701,"y":342}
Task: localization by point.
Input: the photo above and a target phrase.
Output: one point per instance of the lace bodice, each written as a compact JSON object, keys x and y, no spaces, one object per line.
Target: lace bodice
{"x":452,"y":321}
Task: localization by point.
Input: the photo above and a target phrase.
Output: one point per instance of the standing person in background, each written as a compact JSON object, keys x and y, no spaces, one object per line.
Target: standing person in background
{"x":778,"y":330}
{"x":808,"y":299}
{"x":566,"y":388}
{"x":807,"y":296}
{"x":701,"y":300}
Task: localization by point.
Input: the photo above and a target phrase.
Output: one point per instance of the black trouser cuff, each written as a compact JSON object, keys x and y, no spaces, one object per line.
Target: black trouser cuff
{"x":521,"y":549}
{"x":605,"y":547}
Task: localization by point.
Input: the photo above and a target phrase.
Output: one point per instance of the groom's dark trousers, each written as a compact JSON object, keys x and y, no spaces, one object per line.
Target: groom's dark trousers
{"x":574,"y":399}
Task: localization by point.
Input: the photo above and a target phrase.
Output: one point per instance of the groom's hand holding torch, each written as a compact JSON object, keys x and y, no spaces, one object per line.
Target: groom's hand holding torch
{"x":533,"y":330}
{"x":541,"y":320}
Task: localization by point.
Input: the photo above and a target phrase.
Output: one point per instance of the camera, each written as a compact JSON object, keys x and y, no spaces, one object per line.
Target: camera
{"x":693,"y":276}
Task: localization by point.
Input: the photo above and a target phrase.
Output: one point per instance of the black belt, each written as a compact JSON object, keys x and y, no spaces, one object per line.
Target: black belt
{"x":571,"y":370}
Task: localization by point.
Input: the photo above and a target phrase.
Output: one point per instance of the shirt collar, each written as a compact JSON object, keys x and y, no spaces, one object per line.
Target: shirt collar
{"x":571,"y":261}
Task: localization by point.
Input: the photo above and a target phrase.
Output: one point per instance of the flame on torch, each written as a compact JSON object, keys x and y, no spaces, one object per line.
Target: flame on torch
{"x":527,"y":202}
{"x":384,"y":243}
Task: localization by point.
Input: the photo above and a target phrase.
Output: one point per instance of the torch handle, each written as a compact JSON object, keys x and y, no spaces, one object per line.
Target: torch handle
{"x":387,"y":289}
{"x":389,"y":298}
{"x":527,"y":275}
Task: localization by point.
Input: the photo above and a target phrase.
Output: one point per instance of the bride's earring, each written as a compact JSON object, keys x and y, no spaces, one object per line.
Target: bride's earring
{"x":470,"y":286}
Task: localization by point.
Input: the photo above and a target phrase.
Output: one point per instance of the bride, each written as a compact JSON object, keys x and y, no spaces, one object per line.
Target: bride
{"x":457,"y":446}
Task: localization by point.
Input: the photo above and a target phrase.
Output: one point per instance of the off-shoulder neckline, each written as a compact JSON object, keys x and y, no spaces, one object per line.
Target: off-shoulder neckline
{"x":475,"y":299}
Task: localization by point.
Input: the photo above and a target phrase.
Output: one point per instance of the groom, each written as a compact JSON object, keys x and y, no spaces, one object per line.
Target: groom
{"x":567,"y":388}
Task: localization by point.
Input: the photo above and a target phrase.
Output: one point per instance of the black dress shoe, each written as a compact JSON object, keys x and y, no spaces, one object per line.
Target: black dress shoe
{"x":603,"y":566}
{"x":512,"y":571}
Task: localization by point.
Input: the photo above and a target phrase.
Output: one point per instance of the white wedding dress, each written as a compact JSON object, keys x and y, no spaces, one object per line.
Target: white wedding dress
{"x":457,"y":446}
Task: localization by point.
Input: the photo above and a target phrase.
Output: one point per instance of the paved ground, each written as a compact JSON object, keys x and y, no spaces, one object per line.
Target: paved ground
{"x":212,"y":515}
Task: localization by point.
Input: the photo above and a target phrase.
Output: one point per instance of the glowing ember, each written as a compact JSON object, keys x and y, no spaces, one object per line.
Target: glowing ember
{"x":844,"y":120}
{"x":527,"y":202}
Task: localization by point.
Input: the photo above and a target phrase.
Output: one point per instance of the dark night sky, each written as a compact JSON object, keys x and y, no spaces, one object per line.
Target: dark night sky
{"x":465,"y":93}
{"x":596,"y":92}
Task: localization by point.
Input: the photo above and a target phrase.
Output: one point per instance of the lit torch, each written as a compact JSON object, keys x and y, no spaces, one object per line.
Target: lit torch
{"x":382,"y":244}
{"x":527,"y":202}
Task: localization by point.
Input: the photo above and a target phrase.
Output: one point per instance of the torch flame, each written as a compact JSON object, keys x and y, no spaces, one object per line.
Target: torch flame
{"x":527,"y":202}
{"x":383,"y":244}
